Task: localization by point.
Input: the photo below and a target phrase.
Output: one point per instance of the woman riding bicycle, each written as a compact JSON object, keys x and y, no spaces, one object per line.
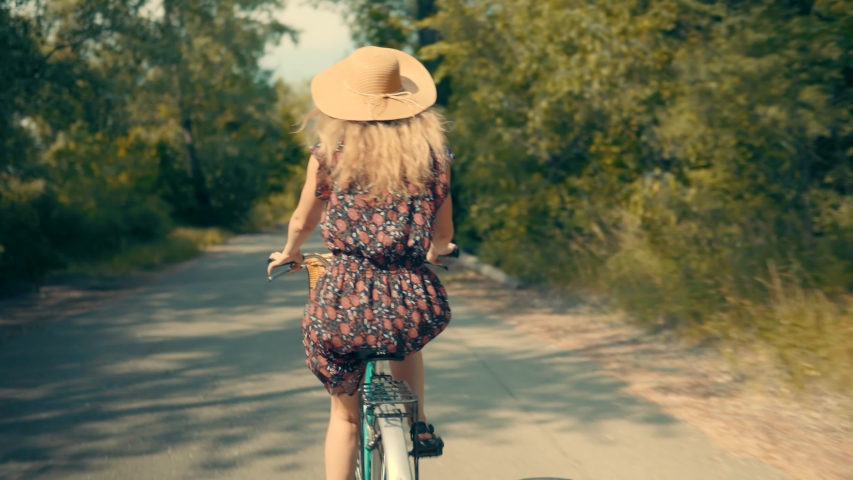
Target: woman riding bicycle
{"x":379,"y":182}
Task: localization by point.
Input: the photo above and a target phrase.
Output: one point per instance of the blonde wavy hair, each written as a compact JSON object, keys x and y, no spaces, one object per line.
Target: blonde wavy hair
{"x":388,"y":157}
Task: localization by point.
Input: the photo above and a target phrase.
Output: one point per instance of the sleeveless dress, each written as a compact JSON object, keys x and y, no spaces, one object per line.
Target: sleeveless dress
{"x":377,"y":294}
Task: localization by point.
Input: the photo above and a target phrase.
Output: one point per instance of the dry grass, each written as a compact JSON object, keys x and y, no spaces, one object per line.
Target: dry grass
{"x":811,"y":335}
{"x":740,"y":305}
{"x":182,"y":244}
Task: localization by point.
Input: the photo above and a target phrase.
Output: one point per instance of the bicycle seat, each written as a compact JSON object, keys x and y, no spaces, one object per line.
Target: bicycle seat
{"x":365,"y":355}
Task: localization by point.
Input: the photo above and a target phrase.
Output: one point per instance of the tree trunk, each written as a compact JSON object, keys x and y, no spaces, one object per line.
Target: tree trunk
{"x":806,"y":204}
{"x":429,"y":36}
{"x":424,"y":9}
{"x":194,"y":168}
{"x":171,"y":19}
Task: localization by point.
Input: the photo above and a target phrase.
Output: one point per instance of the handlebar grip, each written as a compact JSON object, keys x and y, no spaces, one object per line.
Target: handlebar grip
{"x":454,"y":254}
{"x":288,"y":264}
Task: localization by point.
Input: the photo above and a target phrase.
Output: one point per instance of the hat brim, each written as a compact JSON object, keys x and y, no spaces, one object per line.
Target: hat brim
{"x":333,"y":98}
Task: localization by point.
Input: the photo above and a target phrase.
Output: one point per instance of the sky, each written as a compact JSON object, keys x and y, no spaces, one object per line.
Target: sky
{"x":324,"y":40}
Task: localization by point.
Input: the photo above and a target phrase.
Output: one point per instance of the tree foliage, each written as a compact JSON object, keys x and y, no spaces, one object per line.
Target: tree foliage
{"x":120,"y":117}
{"x":694,"y":158}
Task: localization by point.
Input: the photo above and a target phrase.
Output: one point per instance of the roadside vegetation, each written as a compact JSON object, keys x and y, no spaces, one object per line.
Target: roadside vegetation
{"x":182,"y":243}
{"x":692,"y":160}
{"x":135,"y":134}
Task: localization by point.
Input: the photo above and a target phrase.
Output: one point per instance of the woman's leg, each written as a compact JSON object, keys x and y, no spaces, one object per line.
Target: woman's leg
{"x":342,"y":437}
{"x":411,"y":371}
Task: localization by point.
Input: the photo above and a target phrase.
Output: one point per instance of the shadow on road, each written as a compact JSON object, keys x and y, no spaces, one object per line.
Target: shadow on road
{"x":199,"y":357}
{"x":212,"y":357}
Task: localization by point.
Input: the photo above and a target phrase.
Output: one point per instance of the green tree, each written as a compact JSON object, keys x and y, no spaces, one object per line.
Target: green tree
{"x":120,"y":117}
{"x":693,"y":158}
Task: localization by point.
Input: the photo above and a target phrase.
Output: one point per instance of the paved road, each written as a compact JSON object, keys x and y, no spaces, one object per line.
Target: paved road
{"x":201,"y":376}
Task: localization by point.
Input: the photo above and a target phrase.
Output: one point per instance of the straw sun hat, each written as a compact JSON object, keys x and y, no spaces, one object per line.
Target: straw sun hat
{"x":374,"y":84}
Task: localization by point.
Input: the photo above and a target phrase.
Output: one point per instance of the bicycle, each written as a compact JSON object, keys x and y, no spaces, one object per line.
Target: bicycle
{"x":384,"y":403}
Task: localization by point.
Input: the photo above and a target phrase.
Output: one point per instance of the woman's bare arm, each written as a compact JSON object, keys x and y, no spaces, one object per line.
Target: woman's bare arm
{"x":443,"y":227}
{"x":303,"y":221}
{"x":442,"y":231}
{"x":307,"y":215}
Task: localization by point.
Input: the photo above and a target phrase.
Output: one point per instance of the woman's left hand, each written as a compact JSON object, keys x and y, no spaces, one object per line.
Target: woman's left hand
{"x":436,"y":251}
{"x":279,"y":259}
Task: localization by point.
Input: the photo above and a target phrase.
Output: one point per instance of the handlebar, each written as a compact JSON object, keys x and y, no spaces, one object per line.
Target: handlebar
{"x":290,"y":265}
{"x":454,"y":254}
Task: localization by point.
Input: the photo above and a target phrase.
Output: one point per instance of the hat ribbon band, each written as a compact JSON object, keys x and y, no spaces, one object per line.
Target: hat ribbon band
{"x":403,"y":97}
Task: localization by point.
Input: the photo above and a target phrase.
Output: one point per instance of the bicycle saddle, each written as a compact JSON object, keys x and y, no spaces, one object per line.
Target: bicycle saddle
{"x":366,"y":355}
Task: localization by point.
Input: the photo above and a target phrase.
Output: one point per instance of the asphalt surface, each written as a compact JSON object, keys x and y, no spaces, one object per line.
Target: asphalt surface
{"x":202,"y":376}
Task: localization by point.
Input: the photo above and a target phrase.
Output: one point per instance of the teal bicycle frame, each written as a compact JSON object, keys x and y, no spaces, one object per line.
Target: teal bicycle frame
{"x":367,"y":419}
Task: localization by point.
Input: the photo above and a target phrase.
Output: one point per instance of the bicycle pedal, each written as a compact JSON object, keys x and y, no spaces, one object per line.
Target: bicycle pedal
{"x":436,"y":452}
{"x":428,"y":454}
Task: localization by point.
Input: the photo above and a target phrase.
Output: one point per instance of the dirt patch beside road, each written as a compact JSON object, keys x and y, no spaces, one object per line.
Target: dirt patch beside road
{"x":746,"y":410}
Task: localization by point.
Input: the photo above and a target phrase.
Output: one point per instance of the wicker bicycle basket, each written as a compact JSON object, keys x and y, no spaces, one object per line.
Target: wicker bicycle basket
{"x":316,"y":265}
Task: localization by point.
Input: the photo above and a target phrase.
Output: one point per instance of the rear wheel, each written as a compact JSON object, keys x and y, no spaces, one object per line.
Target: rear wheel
{"x":377,"y":470}
{"x":385,"y":428}
{"x":396,"y":459}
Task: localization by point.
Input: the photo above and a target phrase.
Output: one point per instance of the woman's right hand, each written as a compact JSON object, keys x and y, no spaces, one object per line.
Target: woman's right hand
{"x":436,"y":251}
{"x":280,"y":258}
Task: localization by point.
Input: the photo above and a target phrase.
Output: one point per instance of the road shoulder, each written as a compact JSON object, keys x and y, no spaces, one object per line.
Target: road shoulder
{"x":805,"y":438}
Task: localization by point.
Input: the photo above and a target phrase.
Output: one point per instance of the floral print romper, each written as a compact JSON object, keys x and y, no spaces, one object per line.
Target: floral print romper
{"x":377,"y":294}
